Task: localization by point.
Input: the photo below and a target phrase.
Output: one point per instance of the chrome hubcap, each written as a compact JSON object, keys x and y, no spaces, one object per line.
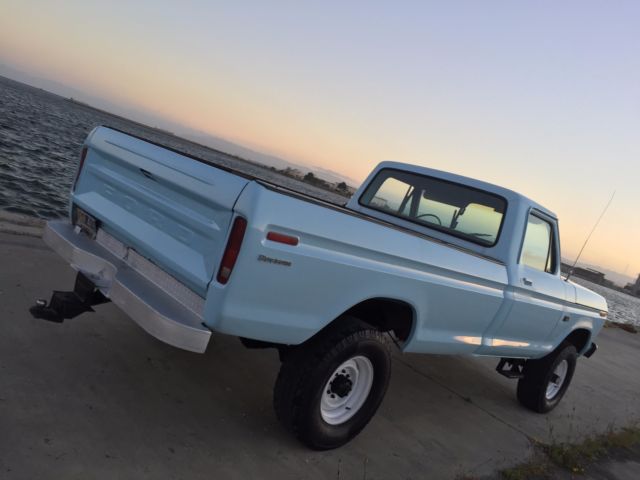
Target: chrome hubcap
{"x":347,"y":390}
{"x":557,"y":379}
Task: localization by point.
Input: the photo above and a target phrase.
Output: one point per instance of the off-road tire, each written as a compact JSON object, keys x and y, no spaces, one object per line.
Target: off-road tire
{"x":532,"y":388}
{"x":306,"y":370}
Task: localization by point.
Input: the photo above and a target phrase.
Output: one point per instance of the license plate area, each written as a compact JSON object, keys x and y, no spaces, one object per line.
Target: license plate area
{"x":86,"y":223}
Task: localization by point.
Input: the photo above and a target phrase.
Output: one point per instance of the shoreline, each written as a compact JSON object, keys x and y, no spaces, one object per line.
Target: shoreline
{"x":19,"y":224}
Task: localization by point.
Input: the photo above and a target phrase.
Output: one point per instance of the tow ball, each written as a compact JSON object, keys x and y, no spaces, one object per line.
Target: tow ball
{"x":69,"y":304}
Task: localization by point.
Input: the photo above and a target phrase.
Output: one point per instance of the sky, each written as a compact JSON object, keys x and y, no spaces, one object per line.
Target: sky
{"x":542,"y":97}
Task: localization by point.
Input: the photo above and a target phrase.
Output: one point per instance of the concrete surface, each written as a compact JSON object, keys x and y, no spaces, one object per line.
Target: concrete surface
{"x":615,"y":470}
{"x":20,"y":224}
{"x":96,"y":397}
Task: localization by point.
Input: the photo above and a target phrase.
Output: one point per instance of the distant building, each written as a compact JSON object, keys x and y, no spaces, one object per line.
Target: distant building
{"x":634,"y":288}
{"x":589,"y":274}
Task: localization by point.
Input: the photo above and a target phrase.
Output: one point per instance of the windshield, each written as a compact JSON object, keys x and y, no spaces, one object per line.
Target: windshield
{"x":458,"y":210}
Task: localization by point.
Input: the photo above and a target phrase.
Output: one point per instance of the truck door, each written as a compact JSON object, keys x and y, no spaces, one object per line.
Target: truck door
{"x":539,"y":293}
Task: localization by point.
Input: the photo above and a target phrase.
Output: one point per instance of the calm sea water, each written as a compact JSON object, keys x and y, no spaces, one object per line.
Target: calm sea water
{"x":623,"y":308}
{"x":40,"y":140}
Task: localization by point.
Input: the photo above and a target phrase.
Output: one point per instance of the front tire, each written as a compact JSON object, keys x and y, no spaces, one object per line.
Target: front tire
{"x":331,"y":386}
{"x":546,"y":380}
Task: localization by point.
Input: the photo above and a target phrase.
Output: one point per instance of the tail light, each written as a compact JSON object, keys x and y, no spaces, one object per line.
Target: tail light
{"x":232,"y":250}
{"x":83,"y":155}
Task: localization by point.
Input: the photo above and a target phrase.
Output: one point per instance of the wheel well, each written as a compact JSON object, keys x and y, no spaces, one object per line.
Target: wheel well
{"x":386,"y":314}
{"x":579,"y":338}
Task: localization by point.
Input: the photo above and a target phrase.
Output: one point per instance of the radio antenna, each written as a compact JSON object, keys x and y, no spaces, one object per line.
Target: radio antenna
{"x":589,"y":236}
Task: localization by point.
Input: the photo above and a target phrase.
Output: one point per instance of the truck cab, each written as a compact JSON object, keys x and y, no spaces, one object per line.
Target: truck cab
{"x":500,"y":225}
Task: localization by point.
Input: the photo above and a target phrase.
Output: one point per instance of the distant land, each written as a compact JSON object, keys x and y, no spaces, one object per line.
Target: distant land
{"x":152,"y":120}
{"x":618,"y":278}
{"x":270,"y":160}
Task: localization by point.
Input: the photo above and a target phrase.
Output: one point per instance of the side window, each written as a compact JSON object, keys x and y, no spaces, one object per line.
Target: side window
{"x":538,"y":248}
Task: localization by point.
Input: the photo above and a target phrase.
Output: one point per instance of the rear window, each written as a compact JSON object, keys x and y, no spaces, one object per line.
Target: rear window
{"x":461,"y":211}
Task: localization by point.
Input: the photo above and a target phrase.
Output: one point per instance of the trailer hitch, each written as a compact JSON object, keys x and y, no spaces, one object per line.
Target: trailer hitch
{"x":69,"y":304}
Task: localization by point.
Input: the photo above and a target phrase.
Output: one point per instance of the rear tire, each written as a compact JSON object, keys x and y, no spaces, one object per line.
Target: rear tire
{"x":546,"y":380}
{"x":331,"y":386}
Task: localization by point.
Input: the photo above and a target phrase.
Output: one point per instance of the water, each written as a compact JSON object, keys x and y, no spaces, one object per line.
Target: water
{"x":40,"y":139}
{"x":623,"y":308}
{"x":41,"y":135}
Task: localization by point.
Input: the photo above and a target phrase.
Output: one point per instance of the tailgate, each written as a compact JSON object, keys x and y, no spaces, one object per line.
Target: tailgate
{"x":172,"y":209}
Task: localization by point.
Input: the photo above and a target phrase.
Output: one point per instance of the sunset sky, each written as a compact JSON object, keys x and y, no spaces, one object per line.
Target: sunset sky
{"x":542,"y":97}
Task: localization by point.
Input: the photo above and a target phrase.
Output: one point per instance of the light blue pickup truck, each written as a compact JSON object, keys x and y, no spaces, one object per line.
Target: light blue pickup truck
{"x":426,"y":260}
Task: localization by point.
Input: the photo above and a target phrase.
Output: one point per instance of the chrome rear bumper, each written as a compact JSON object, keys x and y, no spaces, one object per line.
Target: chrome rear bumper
{"x":157,"y":302}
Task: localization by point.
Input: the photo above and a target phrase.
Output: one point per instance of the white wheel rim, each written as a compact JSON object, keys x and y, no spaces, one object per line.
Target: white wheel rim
{"x":347,"y":390}
{"x":557,"y":379}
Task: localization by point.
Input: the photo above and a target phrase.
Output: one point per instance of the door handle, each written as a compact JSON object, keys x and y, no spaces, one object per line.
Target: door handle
{"x":527,"y":282}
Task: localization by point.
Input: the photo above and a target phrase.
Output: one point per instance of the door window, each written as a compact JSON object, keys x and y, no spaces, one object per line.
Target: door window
{"x":537,"y":250}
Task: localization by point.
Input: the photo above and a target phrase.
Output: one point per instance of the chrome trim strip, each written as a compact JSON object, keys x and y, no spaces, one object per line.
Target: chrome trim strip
{"x":150,"y":306}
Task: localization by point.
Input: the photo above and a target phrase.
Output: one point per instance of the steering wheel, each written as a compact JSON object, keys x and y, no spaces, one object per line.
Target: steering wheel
{"x":431,"y":215}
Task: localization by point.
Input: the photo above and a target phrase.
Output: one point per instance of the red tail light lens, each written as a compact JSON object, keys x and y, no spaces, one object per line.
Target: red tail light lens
{"x":232,"y":250}
{"x":83,"y":155}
